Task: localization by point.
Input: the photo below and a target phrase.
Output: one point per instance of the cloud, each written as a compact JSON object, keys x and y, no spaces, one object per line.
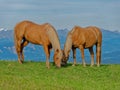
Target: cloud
{"x":61,"y":13}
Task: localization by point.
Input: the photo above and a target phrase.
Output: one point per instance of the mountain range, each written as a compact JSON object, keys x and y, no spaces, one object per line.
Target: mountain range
{"x":110,"y":47}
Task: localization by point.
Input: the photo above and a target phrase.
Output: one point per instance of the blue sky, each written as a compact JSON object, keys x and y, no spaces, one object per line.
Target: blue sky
{"x":62,"y":13}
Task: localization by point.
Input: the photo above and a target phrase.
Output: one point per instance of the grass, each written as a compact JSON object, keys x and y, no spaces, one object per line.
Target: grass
{"x":35,"y":76}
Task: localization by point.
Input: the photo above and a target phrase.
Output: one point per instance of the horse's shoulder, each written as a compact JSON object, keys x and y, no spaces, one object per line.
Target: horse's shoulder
{"x":78,"y":27}
{"x":26,"y":21}
{"x":75,"y":29}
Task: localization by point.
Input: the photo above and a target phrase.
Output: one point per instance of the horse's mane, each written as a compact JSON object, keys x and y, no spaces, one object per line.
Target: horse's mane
{"x":52,"y":34}
{"x":68,"y":43}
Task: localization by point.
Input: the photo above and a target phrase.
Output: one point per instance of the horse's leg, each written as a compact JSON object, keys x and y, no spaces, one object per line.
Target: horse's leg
{"x":82,"y":54}
{"x":24,"y":43}
{"x":74,"y":56}
{"x":92,"y":55}
{"x":47,"y":52}
{"x":18,"y":50}
{"x":98,"y":54}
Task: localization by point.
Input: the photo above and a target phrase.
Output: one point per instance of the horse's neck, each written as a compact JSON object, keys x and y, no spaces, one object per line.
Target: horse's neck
{"x":56,"y":47}
{"x":55,"y":44}
{"x":55,"y":41}
{"x":52,"y":34}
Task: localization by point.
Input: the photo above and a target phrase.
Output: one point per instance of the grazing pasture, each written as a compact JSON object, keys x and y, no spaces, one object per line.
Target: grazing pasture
{"x":35,"y":76}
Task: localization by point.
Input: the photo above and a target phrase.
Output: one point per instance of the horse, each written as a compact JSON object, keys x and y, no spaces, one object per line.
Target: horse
{"x":41,"y":34}
{"x":83,"y":38}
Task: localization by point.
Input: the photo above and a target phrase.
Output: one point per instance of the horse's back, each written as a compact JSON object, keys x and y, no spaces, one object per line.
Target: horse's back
{"x":95,"y":31}
{"x":28,"y":26}
{"x":86,"y":36}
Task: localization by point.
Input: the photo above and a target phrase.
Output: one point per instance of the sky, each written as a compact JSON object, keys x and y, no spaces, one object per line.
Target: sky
{"x":62,"y":13}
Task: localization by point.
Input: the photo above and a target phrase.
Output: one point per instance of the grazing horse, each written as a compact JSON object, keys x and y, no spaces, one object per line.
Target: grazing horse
{"x":45,"y":35}
{"x":83,"y":38}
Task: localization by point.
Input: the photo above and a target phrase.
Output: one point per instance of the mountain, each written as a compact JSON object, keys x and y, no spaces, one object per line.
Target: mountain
{"x":110,"y":47}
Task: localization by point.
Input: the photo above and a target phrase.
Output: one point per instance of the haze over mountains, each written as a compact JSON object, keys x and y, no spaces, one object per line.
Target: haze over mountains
{"x":110,"y":47}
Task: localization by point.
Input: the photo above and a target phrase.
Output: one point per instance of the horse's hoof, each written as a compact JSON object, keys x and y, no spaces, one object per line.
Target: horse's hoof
{"x":73,"y":65}
{"x":91,"y":65}
{"x":98,"y":65}
{"x":20,"y":62}
{"x":48,"y":67}
{"x":84,"y":65}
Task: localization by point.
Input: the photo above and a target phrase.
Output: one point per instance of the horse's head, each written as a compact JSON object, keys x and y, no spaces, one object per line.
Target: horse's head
{"x":64,"y":58}
{"x":58,"y":57}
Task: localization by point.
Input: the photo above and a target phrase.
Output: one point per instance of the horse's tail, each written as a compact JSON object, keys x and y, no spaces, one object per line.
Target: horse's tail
{"x":53,"y":36}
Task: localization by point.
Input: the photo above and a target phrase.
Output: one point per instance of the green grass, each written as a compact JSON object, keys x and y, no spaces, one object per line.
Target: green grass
{"x":35,"y":76}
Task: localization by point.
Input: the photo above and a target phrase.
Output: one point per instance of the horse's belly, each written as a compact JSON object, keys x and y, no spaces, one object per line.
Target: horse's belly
{"x":33,"y":39}
{"x":36,"y":42}
{"x":89,"y":44}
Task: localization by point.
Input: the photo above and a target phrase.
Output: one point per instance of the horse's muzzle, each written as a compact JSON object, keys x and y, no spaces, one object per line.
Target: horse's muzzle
{"x":58,"y":66}
{"x":63,"y":63}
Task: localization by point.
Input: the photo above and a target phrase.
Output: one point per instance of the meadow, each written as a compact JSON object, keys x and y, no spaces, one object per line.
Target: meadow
{"x":35,"y":76}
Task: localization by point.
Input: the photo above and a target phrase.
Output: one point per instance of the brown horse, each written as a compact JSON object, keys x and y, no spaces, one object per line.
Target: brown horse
{"x":45,"y":35}
{"x":83,"y":38}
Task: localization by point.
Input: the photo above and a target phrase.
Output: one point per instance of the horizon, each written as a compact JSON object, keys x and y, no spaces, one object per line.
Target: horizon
{"x":102,"y":29}
{"x":62,"y":14}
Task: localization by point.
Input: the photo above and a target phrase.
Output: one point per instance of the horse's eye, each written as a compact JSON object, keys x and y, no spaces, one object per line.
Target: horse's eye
{"x":57,"y":58}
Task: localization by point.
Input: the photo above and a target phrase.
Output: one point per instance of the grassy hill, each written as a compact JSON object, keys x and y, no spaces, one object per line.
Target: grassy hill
{"x":35,"y":76}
